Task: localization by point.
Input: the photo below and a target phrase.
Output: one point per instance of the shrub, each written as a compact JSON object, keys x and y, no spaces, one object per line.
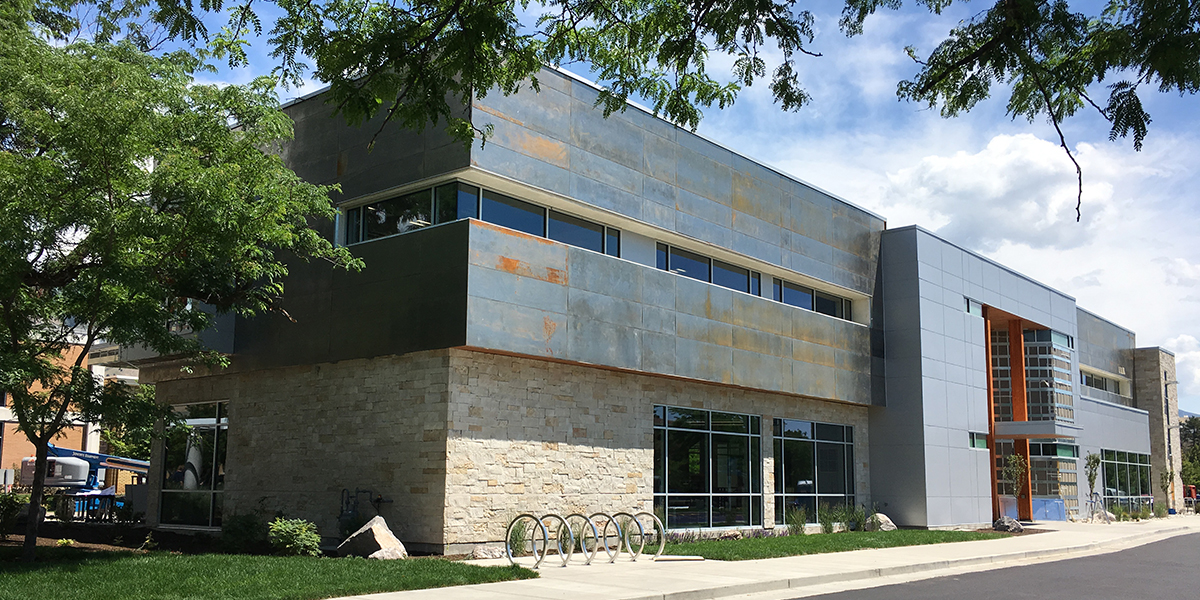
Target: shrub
{"x":518,"y":537}
{"x":856,"y":518}
{"x":245,"y":534}
{"x":10,"y":509}
{"x":1119,"y":513}
{"x":294,"y":537}
{"x":1160,"y":511}
{"x":796,"y":518}
{"x":65,"y":542}
{"x":826,"y":516}
{"x":1145,"y":513}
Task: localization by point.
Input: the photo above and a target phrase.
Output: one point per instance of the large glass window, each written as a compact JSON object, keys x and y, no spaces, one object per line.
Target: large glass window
{"x":575,"y":231}
{"x":814,"y":467}
{"x":1127,"y":479}
{"x":690,"y":264}
{"x":730,"y":276}
{"x":797,"y":295}
{"x":194,"y":466}
{"x":512,"y":213}
{"x":707,"y":468}
{"x":455,"y":201}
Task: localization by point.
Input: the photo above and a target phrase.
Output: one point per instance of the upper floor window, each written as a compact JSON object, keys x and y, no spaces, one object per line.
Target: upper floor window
{"x":1100,"y":382}
{"x":457,"y":200}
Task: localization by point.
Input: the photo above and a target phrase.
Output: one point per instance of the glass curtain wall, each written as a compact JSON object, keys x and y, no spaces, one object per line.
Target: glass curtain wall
{"x":194,"y":466}
{"x":1048,"y":375}
{"x":1002,"y":398}
{"x":707,"y":468}
{"x":1126,"y":479}
{"x":814,"y":467}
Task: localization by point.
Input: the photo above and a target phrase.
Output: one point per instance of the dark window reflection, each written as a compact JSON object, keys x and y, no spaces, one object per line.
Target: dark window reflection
{"x":514,"y":214}
{"x":690,"y":264}
{"x":612,"y":245}
{"x":730,"y":276}
{"x":687,"y":462}
{"x":797,"y":296}
{"x":576,"y":232}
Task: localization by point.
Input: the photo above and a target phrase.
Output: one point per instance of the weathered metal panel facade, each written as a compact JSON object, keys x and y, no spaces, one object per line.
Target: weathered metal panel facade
{"x":641,"y":167}
{"x":532,"y":296}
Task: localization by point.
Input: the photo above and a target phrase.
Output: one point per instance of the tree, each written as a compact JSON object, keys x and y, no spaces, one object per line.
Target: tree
{"x":408,"y":57}
{"x":132,"y":199}
{"x":1014,"y":470}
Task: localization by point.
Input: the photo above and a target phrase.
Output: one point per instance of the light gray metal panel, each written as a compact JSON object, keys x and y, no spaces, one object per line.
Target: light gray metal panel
{"x":1103,"y":344}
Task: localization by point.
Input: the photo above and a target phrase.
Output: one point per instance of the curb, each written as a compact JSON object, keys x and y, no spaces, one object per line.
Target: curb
{"x":813,"y":580}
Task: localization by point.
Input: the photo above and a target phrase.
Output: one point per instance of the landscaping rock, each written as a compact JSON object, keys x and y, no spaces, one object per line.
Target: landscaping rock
{"x":481,"y":552}
{"x":389,"y":554}
{"x":880,"y":522}
{"x":731,"y":535}
{"x":371,"y":539}
{"x":1008,"y":524}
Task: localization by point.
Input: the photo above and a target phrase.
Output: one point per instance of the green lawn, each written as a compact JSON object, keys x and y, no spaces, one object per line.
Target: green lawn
{"x":74,"y":574}
{"x":794,"y":545}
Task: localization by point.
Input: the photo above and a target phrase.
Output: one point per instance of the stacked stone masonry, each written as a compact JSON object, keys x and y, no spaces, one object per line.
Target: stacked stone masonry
{"x":461,"y":441}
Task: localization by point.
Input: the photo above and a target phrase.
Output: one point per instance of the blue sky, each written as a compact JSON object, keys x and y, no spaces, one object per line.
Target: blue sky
{"x":997,"y":186}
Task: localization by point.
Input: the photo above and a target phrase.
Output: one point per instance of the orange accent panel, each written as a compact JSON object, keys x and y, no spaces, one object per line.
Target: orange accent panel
{"x":1016,"y":363}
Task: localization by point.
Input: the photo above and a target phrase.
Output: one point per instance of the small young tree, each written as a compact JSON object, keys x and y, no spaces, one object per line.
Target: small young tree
{"x":131,"y":195}
{"x":1091,"y":467}
{"x":1015,"y":467}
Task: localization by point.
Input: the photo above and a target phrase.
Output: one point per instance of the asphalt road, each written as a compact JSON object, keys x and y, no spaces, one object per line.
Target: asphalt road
{"x":1166,"y":570}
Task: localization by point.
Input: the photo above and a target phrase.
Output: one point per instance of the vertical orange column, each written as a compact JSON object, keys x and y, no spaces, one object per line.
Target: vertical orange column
{"x":991,"y":407}
{"x":1020,"y":409}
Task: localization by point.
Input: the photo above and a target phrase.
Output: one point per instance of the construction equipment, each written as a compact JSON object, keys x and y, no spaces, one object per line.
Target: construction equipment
{"x":78,"y":469}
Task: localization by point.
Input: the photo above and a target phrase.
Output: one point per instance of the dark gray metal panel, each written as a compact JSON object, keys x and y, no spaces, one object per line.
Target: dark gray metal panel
{"x":411,"y":296}
{"x":1104,"y":345}
{"x":646,"y":169}
{"x":326,"y":150}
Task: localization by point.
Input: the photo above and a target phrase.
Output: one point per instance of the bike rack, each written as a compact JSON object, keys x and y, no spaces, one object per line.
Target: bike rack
{"x":600,"y":536}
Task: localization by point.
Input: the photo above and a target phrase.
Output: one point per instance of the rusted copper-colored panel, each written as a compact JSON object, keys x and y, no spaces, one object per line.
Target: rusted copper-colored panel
{"x":1016,"y":362}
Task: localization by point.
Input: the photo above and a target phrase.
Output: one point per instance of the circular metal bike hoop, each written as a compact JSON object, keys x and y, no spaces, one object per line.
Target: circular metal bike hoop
{"x":609,"y":520}
{"x":508,"y":550}
{"x":558,"y":541}
{"x":633,"y":556}
{"x":583,"y":537}
{"x":662,"y":533}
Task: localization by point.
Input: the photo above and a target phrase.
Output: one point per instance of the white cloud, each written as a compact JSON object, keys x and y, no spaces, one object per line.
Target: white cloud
{"x":1187,"y":368}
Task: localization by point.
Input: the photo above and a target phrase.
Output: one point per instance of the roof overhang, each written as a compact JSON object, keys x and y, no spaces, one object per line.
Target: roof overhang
{"x":1027,"y":430}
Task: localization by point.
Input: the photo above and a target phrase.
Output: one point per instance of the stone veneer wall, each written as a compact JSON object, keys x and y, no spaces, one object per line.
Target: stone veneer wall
{"x":1150,"y":366}
{"x":528,"y":435}
{"x":461,"y":441}
{"x":298,"y":436}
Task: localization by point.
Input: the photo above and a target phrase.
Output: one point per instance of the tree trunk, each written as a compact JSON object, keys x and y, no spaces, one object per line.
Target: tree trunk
{"x":35,"y":502}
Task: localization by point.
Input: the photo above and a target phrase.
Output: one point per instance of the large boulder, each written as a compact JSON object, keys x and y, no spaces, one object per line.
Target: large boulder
{"x":483,"y":552}
{"x":373,"y":540}
{"x":880,"y":522}
{"x":1008,"y":524}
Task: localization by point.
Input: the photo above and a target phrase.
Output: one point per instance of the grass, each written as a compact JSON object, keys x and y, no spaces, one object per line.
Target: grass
{"x":795,"y":545}
{"x":72,"y":573}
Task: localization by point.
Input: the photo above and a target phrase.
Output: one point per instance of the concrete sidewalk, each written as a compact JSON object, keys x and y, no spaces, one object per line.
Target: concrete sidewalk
{"x":650,"y":580}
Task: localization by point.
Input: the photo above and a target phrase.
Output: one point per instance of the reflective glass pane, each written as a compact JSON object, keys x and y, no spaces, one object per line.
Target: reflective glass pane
{"x":1110,"y":479}
{"x":514,"y":214}
{"x":756,"y":284}
{"x":612,"y":244}
{"x":831,"y":469}
{"x":778,"y":443}
{"x":756,"y":510}
{"x":849,"y":434}
{"x":690,"y":264}
{"x":397,"y":215}
{"x":831,"y":433}
{"x":456,"y":201}
{"x":806,"y":503}
{"x":777,"y":290}
{"x":829,"y":305}
{"x":1122,"y":480}
{"x":850,"y":469}
{"x":354,"y":225}
{"x":731,"y":464}
{"x":797,"y":429}
{"x":661,"y":256}
{"x":575,"y":231}
{"x":687,"y":462}
{"x":687,"y":512}
{"x":798,"y":467}
{"x":660,"y":416}
{"x":687,"y":418}
{"x":756,"y":465}
{"x":755,"y":424}
{"x":660,"y":460}
{"x":730,"y":276}
{"x":797,"y":296}
{"x":186,"y":508}
{"x":731,"y":422}
{"x":728,"y":511}
{"x":219,"y":458}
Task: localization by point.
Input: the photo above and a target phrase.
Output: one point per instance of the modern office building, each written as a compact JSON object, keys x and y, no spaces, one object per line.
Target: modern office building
{"x":594,"y":314}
